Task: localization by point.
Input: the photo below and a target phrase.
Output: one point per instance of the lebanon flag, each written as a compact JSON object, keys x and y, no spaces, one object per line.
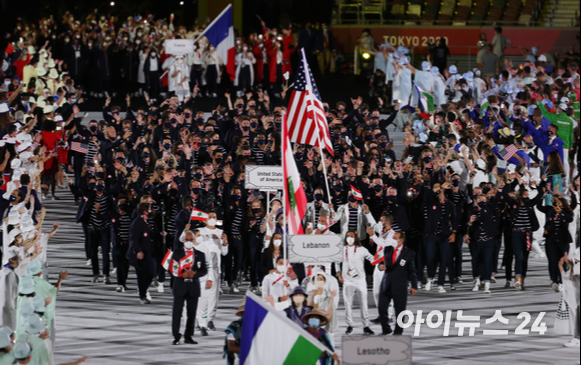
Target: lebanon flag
{"x":187,"y":261}
{"x":167,"y":259}
{"x":220,"y":34}
{"x":294,"y":193}
{"x":356,"y":193}
{"x":198,"y":215}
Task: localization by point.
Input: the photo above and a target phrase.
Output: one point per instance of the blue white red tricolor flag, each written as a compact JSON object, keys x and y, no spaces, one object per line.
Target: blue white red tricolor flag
{"x":220,"y":33}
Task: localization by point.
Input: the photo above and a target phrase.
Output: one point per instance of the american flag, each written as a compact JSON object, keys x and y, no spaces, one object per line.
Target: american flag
{"x":307,"y":122}
{"x":79,"y":147}
{"x":508,"y":152}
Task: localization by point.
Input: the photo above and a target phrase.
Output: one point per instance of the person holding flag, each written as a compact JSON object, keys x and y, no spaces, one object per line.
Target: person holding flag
{"x":186,"y":287}
{"x":278,"y":285}
{"x":352,"y":216}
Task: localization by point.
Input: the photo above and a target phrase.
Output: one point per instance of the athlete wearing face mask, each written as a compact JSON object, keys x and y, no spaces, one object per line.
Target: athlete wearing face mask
{"x":352,"y":276}
{"x":244,"y":78}
{"x":353,"y":216}
{"x":277,"y":286}
{"x":314,"y":321}
{"x":317,"y":207}
{"x":214,"y":237}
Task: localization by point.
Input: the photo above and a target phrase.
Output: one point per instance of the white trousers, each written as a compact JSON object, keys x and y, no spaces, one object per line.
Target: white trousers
{"x":377,"y":277}
{"x":350,"y":290}
{"x":207,"y":303}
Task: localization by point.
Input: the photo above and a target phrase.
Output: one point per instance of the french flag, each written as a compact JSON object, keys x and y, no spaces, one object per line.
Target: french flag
{"x":220,"y":33}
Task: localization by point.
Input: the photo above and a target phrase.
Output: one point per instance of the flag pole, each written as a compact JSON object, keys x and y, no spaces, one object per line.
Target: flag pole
{"x":324,"y":169}
{"x":284,"y":192}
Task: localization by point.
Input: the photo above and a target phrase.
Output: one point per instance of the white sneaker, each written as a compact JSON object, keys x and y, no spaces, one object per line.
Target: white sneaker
{"x":89,"y":262}
{"x":441,"y":289}
{"x":160,"y":288}
{"x":573,"y":343}
{"x":429,"y":285}
{"x":486,"y":288}
{"x":493,"y":280}
{"x":541,"y":255}
{"x":476,"y":286}
{"x":555,"y":287}
{"x":419,"y":286}
{"x":114,"y":271}
{"x":560,"y":288}
{"x":235,"y":289}
{"x":518,"y":286}
{"x":148,"y":296}
{"x":120,"y":289}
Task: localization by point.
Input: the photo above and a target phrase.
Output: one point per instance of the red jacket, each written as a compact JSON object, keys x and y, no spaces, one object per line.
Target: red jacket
{"x":259,"y":65}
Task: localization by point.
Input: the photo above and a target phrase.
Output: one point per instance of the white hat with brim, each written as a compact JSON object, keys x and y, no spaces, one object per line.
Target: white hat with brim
{"x":511,"y":169}
{"x":47,"y":109}
{"x":31,"y":50}
{"x":453,"y":70}
{"x":23,"y":146}
{"x":41,"y":103}
{"x":21,"y":350}
{"x":41,"y":71}
{"x":34,"y":267}
{"x":564,"y":106}
{"x":34,"y":324}
{"x":11,"y":253}
{"x":15,"y":163}
{"x":53,"y":74}
{"x":542,"y":58}
{"x":4,"y":108}
{"x":38,"y":304}
{"x":26,"y":285}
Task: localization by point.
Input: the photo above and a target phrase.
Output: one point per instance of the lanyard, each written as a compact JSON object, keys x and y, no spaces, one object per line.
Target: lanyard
{"x":347,"y":255}
{"x":277,"y":280}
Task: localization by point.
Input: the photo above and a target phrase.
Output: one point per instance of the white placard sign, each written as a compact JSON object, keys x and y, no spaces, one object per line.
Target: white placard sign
{"x":309,"y":248}
{"x":265,"y":178}
{"x":376,"y":350}
{"x":179,"y":46}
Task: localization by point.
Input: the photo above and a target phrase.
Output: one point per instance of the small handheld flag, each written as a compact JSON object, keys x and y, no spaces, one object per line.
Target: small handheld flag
{"x":356,"y":193}
{"x":198,"y":215}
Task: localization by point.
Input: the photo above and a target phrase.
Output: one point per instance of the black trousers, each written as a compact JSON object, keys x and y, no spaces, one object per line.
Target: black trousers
{"x":176,"y":318}
{"x":145,"y":270}
{"x":120,"y":252}
{"x":555,"y":250}
{"x":399,"y":304}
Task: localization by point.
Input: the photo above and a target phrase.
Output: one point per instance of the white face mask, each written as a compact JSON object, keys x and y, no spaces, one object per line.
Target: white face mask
{"x":199,"y":239}
{"x":280,"y":268}
{"x":277,"y":243}
{"x":139,"y":34}
{"x":350,"y":241}
{"x":260,"y":45}
{"x":321,"y":226}
{"x":211,"y":222}
{"x":245,"y":48}
{"x":188,"y":245}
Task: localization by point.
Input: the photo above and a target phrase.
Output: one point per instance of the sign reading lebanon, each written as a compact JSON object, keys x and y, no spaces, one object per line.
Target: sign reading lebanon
{"x":309,"y":248}
{"x":266,"y":178}
{"x":179,"y":46}
{"x":376,"y":350}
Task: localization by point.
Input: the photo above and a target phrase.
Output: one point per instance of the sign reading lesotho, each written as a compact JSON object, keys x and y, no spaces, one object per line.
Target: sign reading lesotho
{"x":377,"y":350}
{"x":309,"y":248}
{"x":265,"y":178}
{"x":179,"y":46}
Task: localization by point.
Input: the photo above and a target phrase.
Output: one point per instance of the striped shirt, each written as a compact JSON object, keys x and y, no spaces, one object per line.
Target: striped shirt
{"x":95,"y":222}
{"x":124,"y":225}
{"x":258,"y":155}
{"x":236,"y":226}
{"x":442,"y":220}
{"x":353,"y":218}
{"x":523,"y":221}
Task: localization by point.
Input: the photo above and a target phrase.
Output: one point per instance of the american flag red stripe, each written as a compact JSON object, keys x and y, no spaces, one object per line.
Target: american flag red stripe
{"x":79,"y":147}
{"x":508,"y":152}
{"x":307,"y":123}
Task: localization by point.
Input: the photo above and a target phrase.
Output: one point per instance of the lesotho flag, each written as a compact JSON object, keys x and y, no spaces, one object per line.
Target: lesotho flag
{"x":269,"y":337}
